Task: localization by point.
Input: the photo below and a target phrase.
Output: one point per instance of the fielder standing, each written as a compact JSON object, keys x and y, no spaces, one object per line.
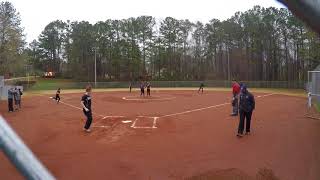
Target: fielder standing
{"x":201,"y":87}
{"x":148,"y":89}
{"x":58,"y":95}
{"x":235,"y":95}
{"x":86,"y":107}
{"x":142,"y":86}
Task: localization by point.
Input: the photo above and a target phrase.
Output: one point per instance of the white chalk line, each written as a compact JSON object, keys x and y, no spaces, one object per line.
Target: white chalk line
{"x":194,"y":110}
{"x":127,"y":98}
{"x":134,"y":123}
{"x":155,"y":118}
{"x":145,"y":127}
{"x":103,"y":116}
{"x":209,"y":107}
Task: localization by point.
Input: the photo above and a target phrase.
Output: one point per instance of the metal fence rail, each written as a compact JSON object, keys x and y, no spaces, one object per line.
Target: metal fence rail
{"x":20,"y":155}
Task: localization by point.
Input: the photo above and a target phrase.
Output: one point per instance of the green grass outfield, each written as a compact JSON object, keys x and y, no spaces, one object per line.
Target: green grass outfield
{"x":290,"y":92}
{"x":45,"y":84}
{"x":49,"y":86}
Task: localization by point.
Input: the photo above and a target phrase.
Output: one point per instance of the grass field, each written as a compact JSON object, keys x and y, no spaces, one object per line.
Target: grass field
{"x":45,"y":84}
{"x":49,"y":86}
{"x":289,"y":92}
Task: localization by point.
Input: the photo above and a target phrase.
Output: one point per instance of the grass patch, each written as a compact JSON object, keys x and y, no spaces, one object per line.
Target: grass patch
{"x":289,"y":92}
{"x":49,"y":84}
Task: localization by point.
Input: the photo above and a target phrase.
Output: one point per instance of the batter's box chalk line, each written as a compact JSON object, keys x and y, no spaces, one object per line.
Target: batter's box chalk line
{"x":154,"y":123}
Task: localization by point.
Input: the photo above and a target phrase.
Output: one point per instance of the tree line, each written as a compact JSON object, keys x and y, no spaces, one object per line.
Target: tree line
{"x":261,"y":44}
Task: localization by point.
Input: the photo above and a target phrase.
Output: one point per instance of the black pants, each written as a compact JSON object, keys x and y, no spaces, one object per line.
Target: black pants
{"x":10,"y":104}
{"x":57,"y":97}
{"x":200,"y":89}
{"x":148,"y":92}
{"x":247,"y":116}
{"x":89,"y":119}
{"x":142,"y":92}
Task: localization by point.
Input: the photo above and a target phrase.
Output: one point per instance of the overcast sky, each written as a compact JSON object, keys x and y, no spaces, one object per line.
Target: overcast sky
{"x":36,"y":14}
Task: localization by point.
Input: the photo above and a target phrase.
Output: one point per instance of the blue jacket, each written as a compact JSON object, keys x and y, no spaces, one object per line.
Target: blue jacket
{"x":247,"y":102}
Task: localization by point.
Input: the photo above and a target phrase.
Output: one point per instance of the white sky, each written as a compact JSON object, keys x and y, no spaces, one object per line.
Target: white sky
{"x":36,"y":14}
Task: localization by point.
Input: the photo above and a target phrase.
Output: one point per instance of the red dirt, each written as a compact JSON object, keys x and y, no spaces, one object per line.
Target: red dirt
{"x":282,"y":140}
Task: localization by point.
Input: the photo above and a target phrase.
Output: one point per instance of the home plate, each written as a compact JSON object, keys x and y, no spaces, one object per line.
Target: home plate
{"x":128,"y":121}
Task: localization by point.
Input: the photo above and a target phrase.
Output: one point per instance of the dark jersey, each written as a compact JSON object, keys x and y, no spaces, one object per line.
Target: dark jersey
{"x":201,"y":85}
{"x":148,"y":86}
{"x":58,"y":92}
{"x":86,"y":101}
{"x":247,"y":102}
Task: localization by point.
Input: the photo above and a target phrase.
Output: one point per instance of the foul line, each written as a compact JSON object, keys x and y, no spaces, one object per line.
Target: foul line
{"x":103,"y":116}
{"x":194,"y":110}
{"x":156,"y":118}
{"x":209,"y":107}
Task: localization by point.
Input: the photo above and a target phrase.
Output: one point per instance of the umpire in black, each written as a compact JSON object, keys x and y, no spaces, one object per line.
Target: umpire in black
{"x":246,"y":107}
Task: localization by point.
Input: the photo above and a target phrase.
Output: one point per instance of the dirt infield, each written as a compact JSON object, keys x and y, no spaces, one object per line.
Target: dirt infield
{"x":171,"y":135}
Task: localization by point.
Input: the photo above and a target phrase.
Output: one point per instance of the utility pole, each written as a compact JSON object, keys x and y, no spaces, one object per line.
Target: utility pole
{"x":95,"y":67}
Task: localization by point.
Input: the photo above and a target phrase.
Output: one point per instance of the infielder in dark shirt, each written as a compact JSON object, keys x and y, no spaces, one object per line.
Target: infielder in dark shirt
{"x":148,"y":89}
{"x":58,"y":95}
{"x":86,"y":107}
{"x":201,"y":87}
{"x":142,"y":86}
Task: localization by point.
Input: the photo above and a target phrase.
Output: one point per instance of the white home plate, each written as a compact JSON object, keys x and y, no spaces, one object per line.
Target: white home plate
{"x":128,"y":121}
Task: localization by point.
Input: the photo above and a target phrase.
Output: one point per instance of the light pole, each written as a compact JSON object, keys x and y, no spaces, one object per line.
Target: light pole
{"x":95,"y":67}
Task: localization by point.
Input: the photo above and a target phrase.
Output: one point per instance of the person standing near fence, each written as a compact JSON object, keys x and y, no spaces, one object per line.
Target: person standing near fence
{"x":148,"y":89}
{"x":246,"y":107}
{"x":201,"y":87}
{"x":235,"y":95}
{"x":142,"y":86}
{"x":86,"y":107}
{"x":18,"y":95}
{"x":10,"y":99}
